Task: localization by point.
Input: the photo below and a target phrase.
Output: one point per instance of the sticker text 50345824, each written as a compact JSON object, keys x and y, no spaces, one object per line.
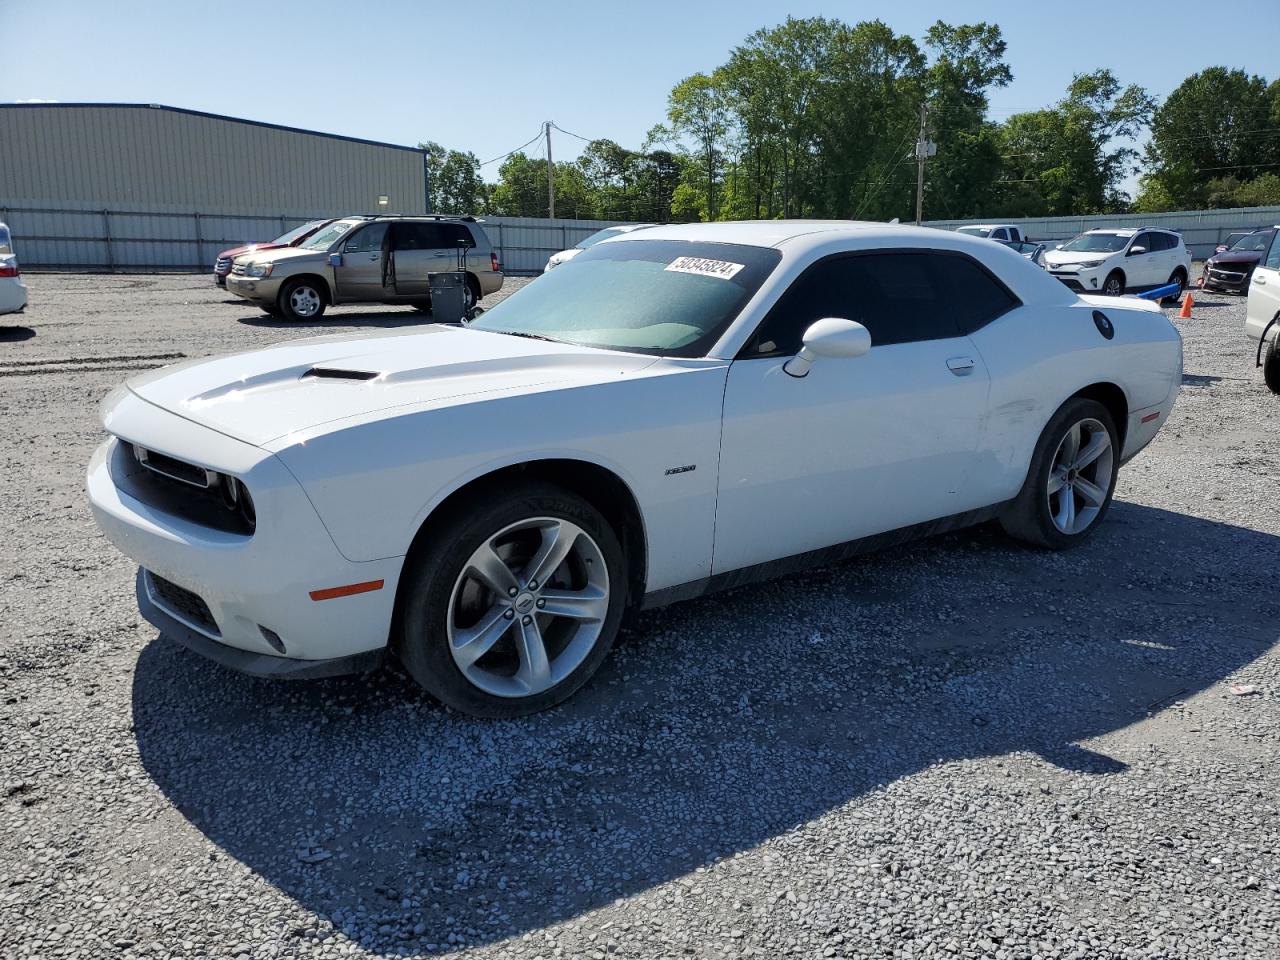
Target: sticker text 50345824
{"x":704,"y":267}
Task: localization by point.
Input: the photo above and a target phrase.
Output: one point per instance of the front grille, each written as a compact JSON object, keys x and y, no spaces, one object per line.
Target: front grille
{"x":182,"y":603}
{"x":174,"y":468}
{"x":237,"y":269}
{"x":1226,"y":275}
{"x":184,"y":489}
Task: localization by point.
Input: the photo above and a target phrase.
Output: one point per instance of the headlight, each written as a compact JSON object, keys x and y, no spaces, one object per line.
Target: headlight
{"x":258,"y":270}
{"x":1089,"y":264}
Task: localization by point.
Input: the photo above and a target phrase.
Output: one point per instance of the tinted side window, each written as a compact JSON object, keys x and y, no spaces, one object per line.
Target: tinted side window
{"x":1164,"y":241}
{"x":418,"y":236}
{"x":898,"y":297}
{"x":455,"y":235}
{"x":1141,"y":240}
{"x":368,"y":240}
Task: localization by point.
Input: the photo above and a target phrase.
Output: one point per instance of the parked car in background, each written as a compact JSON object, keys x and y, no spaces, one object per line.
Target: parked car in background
{"x":1029,"y":249}
{"x":13,"y":292}
{"x":565,"y":255}
{"x":687,"y":408}
{"x":1262,"y":315}
{"x":368,"y":259}
{"x":1232,"y":269}
{"x":1232,"y":240}
{"x":222,"y":266}
{"x":1004,"y":232}
{"x":1121,"y":261}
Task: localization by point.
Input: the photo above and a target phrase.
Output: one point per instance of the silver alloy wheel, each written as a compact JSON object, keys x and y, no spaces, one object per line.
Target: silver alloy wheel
{"x":528,"y":607}
{"x":1112,"y":286}
{"x":304,"y":300}
{"x":1080,"y":477}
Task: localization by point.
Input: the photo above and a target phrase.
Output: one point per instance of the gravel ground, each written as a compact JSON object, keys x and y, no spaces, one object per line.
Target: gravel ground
{"x":959,"y":748}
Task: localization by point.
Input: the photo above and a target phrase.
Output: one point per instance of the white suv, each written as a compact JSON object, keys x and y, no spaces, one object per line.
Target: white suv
{"x":1120,"y":261}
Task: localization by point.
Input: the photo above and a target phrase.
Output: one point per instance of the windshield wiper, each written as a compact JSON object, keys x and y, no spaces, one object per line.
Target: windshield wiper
{"x":521,"y":333}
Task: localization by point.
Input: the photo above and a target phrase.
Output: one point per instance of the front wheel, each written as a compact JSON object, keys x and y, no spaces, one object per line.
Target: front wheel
{"x":514,"y":603}
{"x":1071,"y":480}
{"x":301,"y":300}
{"x":1113,"y":286}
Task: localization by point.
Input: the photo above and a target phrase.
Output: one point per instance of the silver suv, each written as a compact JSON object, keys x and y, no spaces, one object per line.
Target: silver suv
{"x":373,"y":259}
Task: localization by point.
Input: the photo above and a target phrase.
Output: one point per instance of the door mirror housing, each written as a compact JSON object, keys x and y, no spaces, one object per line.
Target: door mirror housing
{"x":1135,"y":251}
{"x":1058,"y":246}
{"x":335,"y":259}
{"x":829,"y":337}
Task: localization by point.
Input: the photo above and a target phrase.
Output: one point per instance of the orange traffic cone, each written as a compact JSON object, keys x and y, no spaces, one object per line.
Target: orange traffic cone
{"x":1185,"y":312}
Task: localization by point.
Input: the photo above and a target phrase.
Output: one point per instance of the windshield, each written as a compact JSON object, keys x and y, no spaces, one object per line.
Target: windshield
{"x":325,"y":238}
{"x":667,"y":297}
{"x":1097,"y":243}
{"x":599,"y":235}
{"x":1254,"y":242}
{"x":975,"y":231}
{"x":285,"y":239}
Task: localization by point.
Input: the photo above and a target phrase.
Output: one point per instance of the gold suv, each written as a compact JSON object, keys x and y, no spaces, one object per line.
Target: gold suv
{"x":367,"y":260}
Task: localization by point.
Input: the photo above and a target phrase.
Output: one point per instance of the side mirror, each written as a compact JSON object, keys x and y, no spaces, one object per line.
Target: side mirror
{"x":335,"y":259}
{"x":1135,"y":251}
{"x":1058,"y":247}
{"x":829,"y":337}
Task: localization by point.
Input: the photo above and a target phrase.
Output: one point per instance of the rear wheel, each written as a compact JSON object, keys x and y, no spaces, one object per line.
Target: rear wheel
{"x":514,"y":604}
{"x":1113,"y":286}
{"x":1180,"y":278}
{"x":1271,"y":367}
{"x":301,"y":299}
{"x":1071,"y":480}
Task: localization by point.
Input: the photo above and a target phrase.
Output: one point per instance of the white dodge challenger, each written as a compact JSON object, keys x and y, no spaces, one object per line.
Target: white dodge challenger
{"x":676,"y":411}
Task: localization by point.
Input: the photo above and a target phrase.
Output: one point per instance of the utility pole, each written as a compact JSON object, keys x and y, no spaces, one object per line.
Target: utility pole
{"x":551,"y":177}
{"x":925,"y":148}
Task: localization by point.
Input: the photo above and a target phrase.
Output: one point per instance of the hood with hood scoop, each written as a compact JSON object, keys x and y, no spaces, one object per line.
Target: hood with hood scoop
{"x":268,"y":394}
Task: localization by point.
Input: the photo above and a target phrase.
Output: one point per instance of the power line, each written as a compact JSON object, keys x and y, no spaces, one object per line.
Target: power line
{"x":510,"y":152}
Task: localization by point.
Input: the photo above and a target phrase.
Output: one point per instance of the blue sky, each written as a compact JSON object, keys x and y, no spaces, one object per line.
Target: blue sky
{"x":483,"y":74}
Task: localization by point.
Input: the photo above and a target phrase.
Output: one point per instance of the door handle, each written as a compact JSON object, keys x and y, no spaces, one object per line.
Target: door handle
{"x":1259,"y":279}
{"x":960,"y":366}
{"x":374,"y":256}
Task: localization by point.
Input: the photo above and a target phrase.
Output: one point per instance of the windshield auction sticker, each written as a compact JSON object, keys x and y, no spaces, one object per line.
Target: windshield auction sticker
{"x":704,"y":268}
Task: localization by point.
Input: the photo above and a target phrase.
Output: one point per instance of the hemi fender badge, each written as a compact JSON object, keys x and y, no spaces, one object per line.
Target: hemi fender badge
{"x":672,"y":471}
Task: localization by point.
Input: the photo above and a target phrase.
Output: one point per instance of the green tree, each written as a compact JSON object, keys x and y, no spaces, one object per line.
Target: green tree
{"x":697,"y":108}
{"x":1072,"y":157}
{"x":1217,"y":124}
{"x":454,"y":180}
{"x":521,"y":190}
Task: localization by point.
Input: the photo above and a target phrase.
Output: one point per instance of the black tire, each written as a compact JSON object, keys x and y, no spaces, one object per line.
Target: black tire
{"x":436,"y":584}
{"x":1179,"y":277}
{"x":1030,"y":517}
{"x":295,"y":293}
{"x":1271,"y":366}
{"x":472,"y":296}
{"x":270,"y":309}
{"x":1113,"y":286}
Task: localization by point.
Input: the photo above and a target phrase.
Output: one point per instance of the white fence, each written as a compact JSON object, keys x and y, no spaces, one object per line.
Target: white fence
{"x":70,"y":239}
{"x":1201,"y":230}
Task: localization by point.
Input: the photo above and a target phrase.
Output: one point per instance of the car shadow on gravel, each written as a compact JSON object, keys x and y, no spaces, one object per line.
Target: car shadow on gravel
{"x":15,"y":334}
{"x":715,"y":726}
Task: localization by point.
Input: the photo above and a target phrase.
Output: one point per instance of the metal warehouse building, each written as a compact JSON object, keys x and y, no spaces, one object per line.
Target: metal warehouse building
{"x":117,"y":185}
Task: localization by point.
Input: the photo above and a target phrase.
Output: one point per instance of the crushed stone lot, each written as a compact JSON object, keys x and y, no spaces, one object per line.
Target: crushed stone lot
{"x":959,"y":748}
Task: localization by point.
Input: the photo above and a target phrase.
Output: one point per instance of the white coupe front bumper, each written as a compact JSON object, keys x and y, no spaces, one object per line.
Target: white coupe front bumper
{"x":242,"y":599}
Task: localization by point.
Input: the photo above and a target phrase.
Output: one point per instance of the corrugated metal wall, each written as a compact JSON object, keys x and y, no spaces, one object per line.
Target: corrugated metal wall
{"x":118,"y":186}
{"x":1201,"y":229}
{"x":524,"y":244}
